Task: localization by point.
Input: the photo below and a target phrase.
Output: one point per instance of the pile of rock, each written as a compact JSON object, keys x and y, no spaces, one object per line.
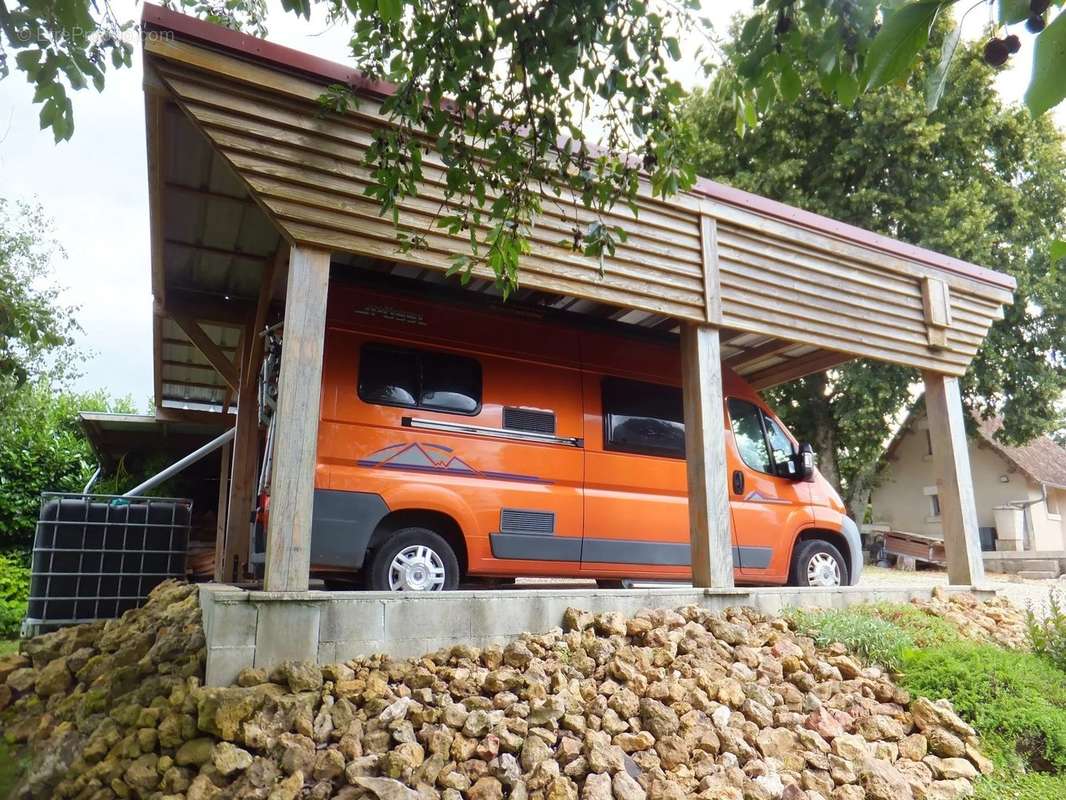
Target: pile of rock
{"x":996,"y":620}
{"x":665,"y":705}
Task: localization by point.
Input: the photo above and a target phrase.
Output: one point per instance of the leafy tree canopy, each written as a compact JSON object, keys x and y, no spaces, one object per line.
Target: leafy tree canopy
{"x":34,"y":326}
{"x":42,"y":448}
{"x":974,"y":179}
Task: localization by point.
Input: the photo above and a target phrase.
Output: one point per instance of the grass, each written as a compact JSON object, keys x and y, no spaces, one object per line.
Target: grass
{"x":12,"y":764}
{"x":880,"y":633}
{"x":1015,"y":700}
{"x":8,"y":646}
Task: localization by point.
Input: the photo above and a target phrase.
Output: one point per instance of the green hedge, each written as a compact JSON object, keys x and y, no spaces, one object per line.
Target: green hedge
{"x":14,"y":589}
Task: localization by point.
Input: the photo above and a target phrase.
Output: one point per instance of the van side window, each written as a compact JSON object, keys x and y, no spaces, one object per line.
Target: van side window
{"x":395,"y":376}
{"x":644,"y":418}
{"x":781,"y":449}
{"x":746,"y":419}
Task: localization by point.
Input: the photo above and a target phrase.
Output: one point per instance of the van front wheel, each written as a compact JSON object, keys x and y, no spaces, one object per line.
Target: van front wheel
{"x":414,"y":560}
{"x":818,"y":563}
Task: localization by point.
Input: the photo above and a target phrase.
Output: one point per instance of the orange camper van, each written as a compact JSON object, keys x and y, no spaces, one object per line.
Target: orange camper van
{"x":462,"y":441}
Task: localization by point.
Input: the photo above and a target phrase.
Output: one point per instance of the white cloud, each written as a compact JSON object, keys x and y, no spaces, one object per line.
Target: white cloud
{"x":95,"y":187}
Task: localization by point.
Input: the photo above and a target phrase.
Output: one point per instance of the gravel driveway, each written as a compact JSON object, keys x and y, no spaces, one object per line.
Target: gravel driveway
{"x":1020,"y":592}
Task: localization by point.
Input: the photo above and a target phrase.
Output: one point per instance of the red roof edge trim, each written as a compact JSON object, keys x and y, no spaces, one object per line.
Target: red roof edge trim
{"x":157,"y":18}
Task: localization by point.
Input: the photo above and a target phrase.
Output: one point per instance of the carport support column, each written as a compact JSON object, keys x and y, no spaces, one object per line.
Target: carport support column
{"x":954,"y":480}
{"x":292,"y":485}
{"x":710,"y":524}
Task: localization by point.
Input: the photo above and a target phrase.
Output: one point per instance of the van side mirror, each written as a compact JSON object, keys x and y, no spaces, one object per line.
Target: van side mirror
{"x":805,"y":462}
{"x":799,"y":466}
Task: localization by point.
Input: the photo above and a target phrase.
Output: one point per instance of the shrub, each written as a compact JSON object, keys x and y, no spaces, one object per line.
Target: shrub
{"x":859,"y":628}
{"x":14,"y":589}
{"x":1048,"y":636}
{"x":1017,"y":701}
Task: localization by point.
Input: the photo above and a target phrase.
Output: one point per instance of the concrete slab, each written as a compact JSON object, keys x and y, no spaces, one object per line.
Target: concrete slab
{"x":265,"y":628}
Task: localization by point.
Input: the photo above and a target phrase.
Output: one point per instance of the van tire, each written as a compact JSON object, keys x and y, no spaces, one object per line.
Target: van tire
{"x":426,"y":551}
{"x":811,"y":559}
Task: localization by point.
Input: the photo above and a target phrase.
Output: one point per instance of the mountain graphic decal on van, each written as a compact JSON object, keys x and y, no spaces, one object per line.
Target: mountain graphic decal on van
{"x":424,"y":457}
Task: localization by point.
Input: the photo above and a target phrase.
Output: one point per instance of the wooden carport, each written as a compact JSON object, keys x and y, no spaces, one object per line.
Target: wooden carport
{"x":255,"y":193}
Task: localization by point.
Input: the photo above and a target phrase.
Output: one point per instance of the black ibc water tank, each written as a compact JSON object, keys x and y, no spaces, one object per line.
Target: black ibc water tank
{"x":95,"y":557}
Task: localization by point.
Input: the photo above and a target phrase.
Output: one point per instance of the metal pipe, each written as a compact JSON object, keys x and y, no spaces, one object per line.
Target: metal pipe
{"x":92,"y":481}
{"x":181,"y":464}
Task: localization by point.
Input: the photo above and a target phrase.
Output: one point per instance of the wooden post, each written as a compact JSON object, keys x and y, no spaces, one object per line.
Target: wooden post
{"x":243,"y":473}
{"x":710,"y":523}
{"x":245,"y":461}
{"x":292,"y":485}
{"x":951,"y":461}
{"x":220,"y":527}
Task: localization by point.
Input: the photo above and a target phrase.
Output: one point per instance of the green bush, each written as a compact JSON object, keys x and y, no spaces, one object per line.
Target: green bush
{"x":1047,"y":636}
{"x":1017,"y":701}
{"x":859,"y":628}
{"x":14,"y":589}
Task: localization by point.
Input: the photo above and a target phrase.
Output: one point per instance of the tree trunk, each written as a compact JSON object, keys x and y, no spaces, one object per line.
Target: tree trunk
{"x":823,"y":430}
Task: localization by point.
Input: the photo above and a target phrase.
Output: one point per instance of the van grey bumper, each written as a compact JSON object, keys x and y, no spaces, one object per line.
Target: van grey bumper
{"x":851,"y":534}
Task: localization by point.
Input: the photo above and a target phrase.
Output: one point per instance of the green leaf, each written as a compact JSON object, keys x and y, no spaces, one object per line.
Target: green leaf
{"x":898,"y":43}
{"x":390,"y":10}
{"x":938,"y":77}
{"x":1047,"y":88}
{"x":847,"y":88}
{"x":790,"y":83}
{"x":1011,"y":11}
{"x":1058,"y":250}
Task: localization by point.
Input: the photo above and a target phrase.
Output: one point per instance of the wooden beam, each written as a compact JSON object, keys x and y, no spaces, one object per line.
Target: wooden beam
{"x":208,"y":349}
{"x":771,"y":348}
{"x":796,"y":368}
{"x":712,"y":289}
{"x":206,"y":307}
{"x":225,"y":348}
{"x":207,"y":194}
{"x":710,"y":523}
{"x":217,"y":251}
{"x":220,"y":524}
{"x":954,"y":480}
{"x":288,"y":556}
{"x":166,"y":414}
{"x":245,"y":464}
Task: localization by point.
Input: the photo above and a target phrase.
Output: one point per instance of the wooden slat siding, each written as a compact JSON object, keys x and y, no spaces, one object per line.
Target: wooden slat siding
{"x":300,"y":126}
{"x":222,"y":66}
{"x":677,"y":287}
{"x":777,"y":277}
{"x":893,"y":298}
{"x":951,"y":464}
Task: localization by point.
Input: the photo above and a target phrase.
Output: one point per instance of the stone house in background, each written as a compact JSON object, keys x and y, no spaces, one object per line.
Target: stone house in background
{"x":1020,"y":491}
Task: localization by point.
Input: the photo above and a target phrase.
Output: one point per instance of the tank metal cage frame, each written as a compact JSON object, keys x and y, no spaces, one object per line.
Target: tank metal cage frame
{"x":111,"y":554}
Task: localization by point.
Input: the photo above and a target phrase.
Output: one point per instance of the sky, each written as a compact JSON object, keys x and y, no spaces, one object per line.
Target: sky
{"x":94,"y":187}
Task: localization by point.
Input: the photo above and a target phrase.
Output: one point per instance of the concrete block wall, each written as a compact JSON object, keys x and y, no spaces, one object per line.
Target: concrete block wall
{"x":262,"y":629}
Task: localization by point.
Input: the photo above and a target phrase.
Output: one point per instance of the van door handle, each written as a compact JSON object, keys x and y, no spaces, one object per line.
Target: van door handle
{"x":738,"y":482}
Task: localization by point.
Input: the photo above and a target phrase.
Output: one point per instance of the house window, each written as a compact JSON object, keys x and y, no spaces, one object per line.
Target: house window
{"x":934,"y":504}
{"x":644,"y":418}
{"x":928,"y":442}
{"x":1054,"y":507}
{"x":393,"y":376}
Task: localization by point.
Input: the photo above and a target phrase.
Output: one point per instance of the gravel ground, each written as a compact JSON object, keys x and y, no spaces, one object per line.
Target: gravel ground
{"x":1020,"y":592}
